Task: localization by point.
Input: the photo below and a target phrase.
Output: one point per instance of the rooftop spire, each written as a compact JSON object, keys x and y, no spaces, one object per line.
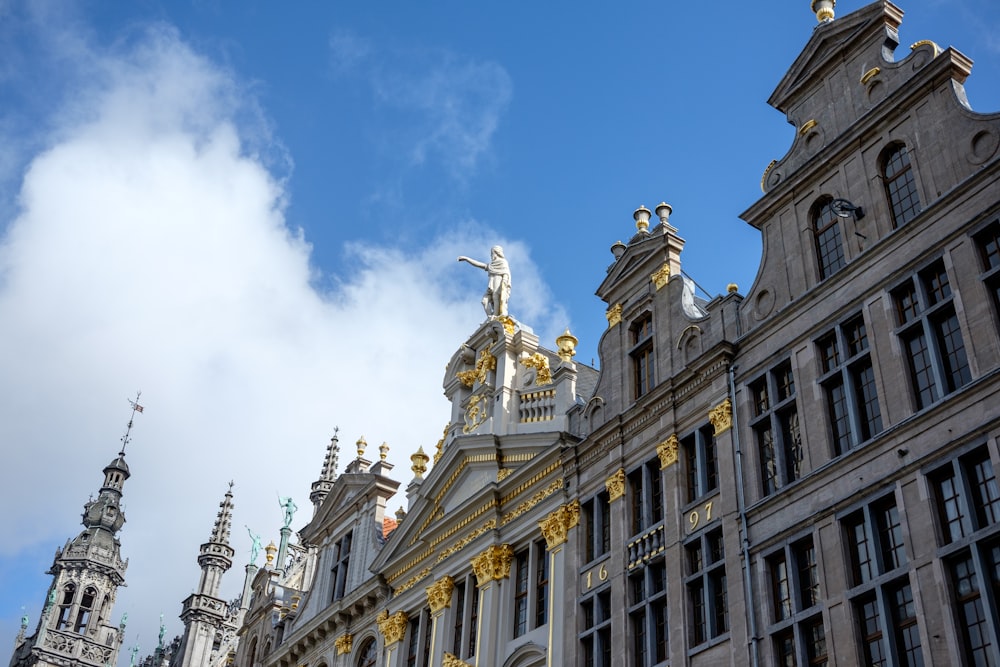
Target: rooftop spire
{"x":224,"y":519}
{"x":321,"y":487}
{"x":823,"y":9}
{"x":128,"y":429}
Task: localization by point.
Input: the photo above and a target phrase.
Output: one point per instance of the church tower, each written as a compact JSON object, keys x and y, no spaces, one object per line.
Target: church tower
{"x":204,"y":613}
{"x":75,"y":628}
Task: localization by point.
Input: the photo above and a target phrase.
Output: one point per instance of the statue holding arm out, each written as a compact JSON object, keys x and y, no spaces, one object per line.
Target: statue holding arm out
{"x":497,"y":294}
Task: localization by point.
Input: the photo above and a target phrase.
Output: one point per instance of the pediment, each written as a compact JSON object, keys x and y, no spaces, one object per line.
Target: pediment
{"x":827,"y":42}
{"x":345,"y":488}
{"x":635,"y":258}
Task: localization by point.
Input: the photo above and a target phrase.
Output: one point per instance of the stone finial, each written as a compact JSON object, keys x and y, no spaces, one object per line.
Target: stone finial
{"x":823,"y":9}
{"x":618,"y":249}
{"x":566,"y":343}
{"x":419,"y":466}
{"x":641,"y":216}
{"x":663,"y":211}
{"x":400,"y":515}
{"x":383,"y":451}
{"x":362,"y":443}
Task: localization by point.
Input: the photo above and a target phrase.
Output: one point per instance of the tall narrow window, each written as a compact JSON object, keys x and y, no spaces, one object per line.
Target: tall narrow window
{"x":848,"y":381}
{"x":930,"y":335}
{"x":706,"y":587}
{"x":341,"y":561}
{"x":900,"y":187}
{"x":531,"y":588}
{"x":702,"y":468}
{"x":797,"y":629}
{"x":465,"y":612}
{"x":776,"y":428}
{"x":829,"y":246}
{"x":647,"y":609}
{"x":643,"y":376}
{"x":69,"y":592}
{"x":595,"y":639}
{"x":988,"y":245}
{"x":881,"y":594}
{"x":597,"y":526}
{"x":86,"y":607}
{"x":645,"y":494}
{"x":368,"y":655}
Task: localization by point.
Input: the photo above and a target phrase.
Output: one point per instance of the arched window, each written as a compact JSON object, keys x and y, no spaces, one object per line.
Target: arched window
{"x":829,"y":247}
{"x":69,"y":592}
{"x":252,"y":655}
{"x":367,"y":656}
{"x":86,"y":606}
{"x":900,"y":188}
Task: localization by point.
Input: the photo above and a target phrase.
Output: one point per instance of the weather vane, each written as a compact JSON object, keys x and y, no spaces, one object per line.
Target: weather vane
{"x":128,"y":429}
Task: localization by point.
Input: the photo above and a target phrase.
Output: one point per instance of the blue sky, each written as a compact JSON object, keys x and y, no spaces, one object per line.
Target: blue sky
{"x":251,"y":211}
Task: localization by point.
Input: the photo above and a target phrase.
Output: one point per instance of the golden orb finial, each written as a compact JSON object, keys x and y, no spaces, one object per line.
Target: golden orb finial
{"x":269,"y":552}
{"x":566,"y":343}
{"x":361,"y":443}
{"x":732,"y":288}
{"x":641,"y":217}
{"x":419,"y":463}
{"x":383,"y":451}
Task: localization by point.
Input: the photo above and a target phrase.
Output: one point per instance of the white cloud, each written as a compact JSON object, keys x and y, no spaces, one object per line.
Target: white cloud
{"x":150,"y":251}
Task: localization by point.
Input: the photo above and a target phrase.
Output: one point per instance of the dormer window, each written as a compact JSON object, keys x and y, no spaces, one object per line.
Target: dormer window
{"x":900,"y":187}
{"x":829,"y":246}
{"x":643,"y":376}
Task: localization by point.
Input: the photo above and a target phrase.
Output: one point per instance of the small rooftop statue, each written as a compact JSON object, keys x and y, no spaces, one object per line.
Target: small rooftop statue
{"x":254,"y":546}
{"x":289,"y":507}
{"x":497,"y":294}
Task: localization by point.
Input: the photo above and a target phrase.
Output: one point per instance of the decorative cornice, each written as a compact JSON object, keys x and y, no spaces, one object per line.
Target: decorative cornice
{"x":555,"y":527}
{"x":493,"y":564}
{"x":661,"y":277}
{"x":614,"y":315}
{"x":616,"y":485}
{"x":392,"y":627}
{"x":343,"y":643}
{"x":721,"y":417}
{"x":439,"y":593}
{"x":667,"y":451}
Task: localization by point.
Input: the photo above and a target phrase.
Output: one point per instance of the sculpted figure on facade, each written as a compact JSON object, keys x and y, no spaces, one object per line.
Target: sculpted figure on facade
{"x":497,"y":295}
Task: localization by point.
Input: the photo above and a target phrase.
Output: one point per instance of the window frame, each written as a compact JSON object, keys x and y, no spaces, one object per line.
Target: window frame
{"x":776,"y":427}
{"x":828,"y":238}
{"x":341,"y":566}
{"x":900,"y":187}
{"x":647,"y":610}
{"x":796,"y":603}
{"x":701,"y":463}
{"x":704,"y":582}
{"x":642,"y":356}
{"x":531,"y":584}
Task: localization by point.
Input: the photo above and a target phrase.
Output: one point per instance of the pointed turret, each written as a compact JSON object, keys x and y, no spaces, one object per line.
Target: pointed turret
{"x":204,"y":613}
{"x":328,"y":475}
{"x":75,"y":628}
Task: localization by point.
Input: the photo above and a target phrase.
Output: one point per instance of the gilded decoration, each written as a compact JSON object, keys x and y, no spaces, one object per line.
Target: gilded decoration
{"x":453,"y":661}
{"x":721,"y":417}
{"x":392,"y":627}
{"x":869,"y":75}
{"x":440,"y":445}
{"x":616,"y":485}
{"x":493,"y":564}
{"x":661,"y":277}
{"x":923,"y":42}
{"x":419,"y":460}
{"x":536,"y":498}
{"x":567,"y":345}
{"x":667,"y":451}
{"x":763,"y":178}
{"x":538,"y":361}
{"x":508,"y":325}
{"x":343,"y":644}
{"x":475,"y":413}
{"x":614,"y":315}
{"x":439,"y":594}
{"x":486,"y":363}
{"x":503,"y":473}
{"x":555,"y":527}
{"x":458,"y":546}
{"x":806,"y":126}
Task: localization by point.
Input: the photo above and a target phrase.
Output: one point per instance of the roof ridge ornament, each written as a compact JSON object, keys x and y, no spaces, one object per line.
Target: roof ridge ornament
{"x":824,"y":9}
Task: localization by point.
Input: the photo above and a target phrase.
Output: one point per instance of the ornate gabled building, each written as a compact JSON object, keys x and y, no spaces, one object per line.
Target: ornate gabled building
{"x":75,"y":628}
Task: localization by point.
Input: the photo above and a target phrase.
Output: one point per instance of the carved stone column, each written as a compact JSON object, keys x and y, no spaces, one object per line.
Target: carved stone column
{"x":439,"y":599}
{"x":555,"y":528}
{"x":393,"y":629}
{"x":490,"y":567}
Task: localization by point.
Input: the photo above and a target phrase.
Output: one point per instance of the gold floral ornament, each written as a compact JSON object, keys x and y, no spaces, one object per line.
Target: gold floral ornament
{"x":392,"y":627}
{"x":616,"y":485}
{"x":453,"y":661}
{"x":486,"y":363}
{"x":555,"y":527}
{"x":614,"y":315}
{"x":508,"y":325}
{"x":493,"y":564}
{"x":567,"y":345}
{"x":538,"y":361}
{"x":475,"y":413}
{"x":661,"y":277}
{"x":440,"y":445}
{"x":721,"y":417}
{"x":439,"y":593}
{"x":343,"y":644}
{"x":667,"y":451}
{"x":419,"y":460}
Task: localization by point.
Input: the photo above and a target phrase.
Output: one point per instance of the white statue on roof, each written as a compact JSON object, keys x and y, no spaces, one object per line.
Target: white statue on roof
{"x":497,"y":294}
